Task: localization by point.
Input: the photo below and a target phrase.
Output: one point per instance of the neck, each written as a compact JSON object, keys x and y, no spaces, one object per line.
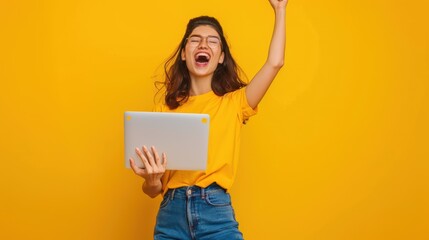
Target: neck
{"x":201,"y":85}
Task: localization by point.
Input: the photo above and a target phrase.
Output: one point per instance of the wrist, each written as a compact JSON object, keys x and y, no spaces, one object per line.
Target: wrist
{"x":280,"y":10}
{"x":152,"y":183}
{"x":152,"y":190}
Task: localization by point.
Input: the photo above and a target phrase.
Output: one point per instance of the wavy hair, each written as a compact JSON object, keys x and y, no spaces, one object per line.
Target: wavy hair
{"x":177,"y":83}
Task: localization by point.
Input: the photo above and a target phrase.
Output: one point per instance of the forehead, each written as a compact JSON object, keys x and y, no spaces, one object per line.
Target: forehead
{"x":205,"y":30}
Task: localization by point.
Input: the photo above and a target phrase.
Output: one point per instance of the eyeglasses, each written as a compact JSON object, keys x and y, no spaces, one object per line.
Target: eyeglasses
{"x":195,"y":40}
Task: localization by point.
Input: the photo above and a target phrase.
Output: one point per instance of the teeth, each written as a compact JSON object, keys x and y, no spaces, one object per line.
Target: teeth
{"x":203,"y":55}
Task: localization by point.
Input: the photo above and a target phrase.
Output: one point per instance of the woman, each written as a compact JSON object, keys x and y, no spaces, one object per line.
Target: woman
{"x":202,"y":77}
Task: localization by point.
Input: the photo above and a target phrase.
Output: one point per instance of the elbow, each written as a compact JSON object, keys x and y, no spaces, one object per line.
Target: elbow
{"x":277,"y":65}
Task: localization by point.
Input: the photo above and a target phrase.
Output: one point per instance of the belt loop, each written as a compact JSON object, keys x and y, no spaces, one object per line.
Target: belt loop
{"x":203,"y":193}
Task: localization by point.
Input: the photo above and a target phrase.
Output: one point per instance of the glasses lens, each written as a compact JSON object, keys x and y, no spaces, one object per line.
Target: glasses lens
{"x":194,"y":41}
{"x":212,"y":42}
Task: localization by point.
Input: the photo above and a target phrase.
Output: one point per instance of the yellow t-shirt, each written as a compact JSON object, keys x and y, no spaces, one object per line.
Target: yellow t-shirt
{"x":227,"y":114}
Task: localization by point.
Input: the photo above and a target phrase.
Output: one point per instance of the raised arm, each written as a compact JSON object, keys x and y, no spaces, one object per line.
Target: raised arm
{"x":260,"y":83}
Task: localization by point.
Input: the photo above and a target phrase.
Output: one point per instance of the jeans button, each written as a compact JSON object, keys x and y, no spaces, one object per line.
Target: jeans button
{"x":189,"y":192}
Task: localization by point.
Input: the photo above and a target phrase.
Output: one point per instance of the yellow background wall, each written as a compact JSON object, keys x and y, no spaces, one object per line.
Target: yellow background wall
{"x":339,"y":149}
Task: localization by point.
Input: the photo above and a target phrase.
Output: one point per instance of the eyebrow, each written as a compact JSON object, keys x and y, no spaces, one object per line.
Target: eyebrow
{"x":201,"y":36}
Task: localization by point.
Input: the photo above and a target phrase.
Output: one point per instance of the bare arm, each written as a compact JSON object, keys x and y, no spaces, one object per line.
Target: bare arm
{"x":152,"y":189}
{"x":260,"y":83}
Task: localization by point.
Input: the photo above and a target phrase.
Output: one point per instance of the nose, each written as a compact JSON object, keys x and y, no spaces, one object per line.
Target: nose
{"x":203,"y":43}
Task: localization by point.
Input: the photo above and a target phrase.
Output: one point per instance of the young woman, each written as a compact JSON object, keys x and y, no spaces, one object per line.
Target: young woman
{"x":202,"y":77}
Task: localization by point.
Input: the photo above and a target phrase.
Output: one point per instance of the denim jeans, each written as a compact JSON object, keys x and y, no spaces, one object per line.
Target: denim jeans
{"x":196,"y":213}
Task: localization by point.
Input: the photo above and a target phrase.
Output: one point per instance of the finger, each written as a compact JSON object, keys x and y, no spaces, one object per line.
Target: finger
{"x":149,"y":157}
{"x":164,"y":160}
{"x":143,"y":159}
{"x":155,"y":154}
{"x":136,"y":169}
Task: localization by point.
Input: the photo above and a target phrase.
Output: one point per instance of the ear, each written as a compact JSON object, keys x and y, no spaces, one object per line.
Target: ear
{"x":182,"y":54}
{"x":221,"y":58}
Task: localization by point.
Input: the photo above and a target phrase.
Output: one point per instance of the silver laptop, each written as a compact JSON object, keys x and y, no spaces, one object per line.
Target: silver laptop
{"x":182,"y":136}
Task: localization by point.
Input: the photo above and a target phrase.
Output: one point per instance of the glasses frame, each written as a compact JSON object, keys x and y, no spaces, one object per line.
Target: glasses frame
{"x":206,"y":39}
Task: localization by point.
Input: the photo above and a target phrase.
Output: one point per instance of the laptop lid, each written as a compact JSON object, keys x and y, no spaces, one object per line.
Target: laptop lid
{"x":182,"y":136}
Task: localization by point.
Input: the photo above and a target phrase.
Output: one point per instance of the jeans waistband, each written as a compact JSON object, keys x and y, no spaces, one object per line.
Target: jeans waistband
{"x":194,"y":191}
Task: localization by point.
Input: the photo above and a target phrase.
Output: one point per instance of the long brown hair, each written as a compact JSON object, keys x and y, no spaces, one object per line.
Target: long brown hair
{"x":226,"y":77}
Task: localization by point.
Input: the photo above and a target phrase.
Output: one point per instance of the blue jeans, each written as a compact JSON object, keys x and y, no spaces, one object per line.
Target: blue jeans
{"x":196,"y":213}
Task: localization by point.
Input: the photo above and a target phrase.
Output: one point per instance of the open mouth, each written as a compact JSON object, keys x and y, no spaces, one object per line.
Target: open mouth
{"x":202,"y":58}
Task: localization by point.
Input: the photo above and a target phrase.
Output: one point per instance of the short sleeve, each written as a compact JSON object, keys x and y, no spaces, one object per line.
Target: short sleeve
{"x":245,"y":111}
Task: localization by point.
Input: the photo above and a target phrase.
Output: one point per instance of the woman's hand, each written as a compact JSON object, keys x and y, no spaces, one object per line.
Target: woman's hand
{"x":154,"y":169}
{"x":278,"y":4}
